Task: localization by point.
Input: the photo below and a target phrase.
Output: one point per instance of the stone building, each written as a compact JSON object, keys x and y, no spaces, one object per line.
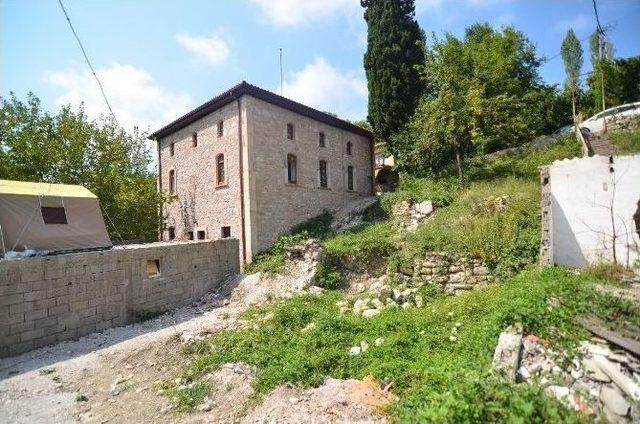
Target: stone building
{"x":250,"y":164}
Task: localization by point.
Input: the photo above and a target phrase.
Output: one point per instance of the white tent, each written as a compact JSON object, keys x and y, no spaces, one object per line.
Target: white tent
{"x":52,"y":217}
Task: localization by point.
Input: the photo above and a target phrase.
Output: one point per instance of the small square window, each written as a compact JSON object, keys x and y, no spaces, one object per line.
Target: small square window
{"x":220,"y":128}
{"x":190,"y":233}
{"x":200,"y":234}
{"x":53,"y":215}
{"x":172,"y":149}
{"x":172,"y":233}
{"x":194,"y":139}
{"x":290,"y":132}
{"x":225,"y":232}
{"x":321,"y":139}
{"x":153,"y":268}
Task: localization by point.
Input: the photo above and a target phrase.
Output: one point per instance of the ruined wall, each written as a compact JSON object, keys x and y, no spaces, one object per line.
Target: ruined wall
{"x":451,"y":272}
{"x":46,"y":300}
{"x":590,"y":200}
{"x":277,"y":205}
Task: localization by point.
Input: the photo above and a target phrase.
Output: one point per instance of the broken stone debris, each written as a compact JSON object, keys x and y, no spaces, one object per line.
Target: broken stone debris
{"x":598,"y":381}
{"x":506,"y":357}
{"x":408,"y":215}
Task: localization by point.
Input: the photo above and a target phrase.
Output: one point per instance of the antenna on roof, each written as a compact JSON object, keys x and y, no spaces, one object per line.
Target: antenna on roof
{"x":281,"y":71}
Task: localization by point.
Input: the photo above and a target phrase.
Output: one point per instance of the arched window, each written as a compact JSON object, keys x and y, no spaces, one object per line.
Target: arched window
{"x":323,"y":173}
{"x":348,"y":147}
{"x":220,"y":177}
{"x":321,"y":139}
{"x":172,"y":181}
{"x":349,"y":177}
{"x":292,"y":171}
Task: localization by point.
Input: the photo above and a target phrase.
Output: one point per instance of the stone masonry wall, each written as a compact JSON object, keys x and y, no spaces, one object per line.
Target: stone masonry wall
{"x":46,"y":300}
{"x":200,"y":203}
{"x":453,"y":273}
{"x":277,"y":205}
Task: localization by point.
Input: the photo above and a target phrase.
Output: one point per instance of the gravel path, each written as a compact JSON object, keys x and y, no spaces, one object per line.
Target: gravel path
{"x":113,"y":376}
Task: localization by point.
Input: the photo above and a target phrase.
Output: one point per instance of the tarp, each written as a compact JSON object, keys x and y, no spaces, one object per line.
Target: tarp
{"x":24,"y":207}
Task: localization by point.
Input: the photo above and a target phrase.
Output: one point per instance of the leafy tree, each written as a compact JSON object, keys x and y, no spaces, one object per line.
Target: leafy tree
{"x":70,"y":148}
{"x":629,"y":79}
{"x":572,"y":56}
{"x":394,"y":48}
{"x":483,"y":93}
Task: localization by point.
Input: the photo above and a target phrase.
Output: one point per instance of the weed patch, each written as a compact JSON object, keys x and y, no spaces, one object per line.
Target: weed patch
{"x":626,"y":142}
{"x":437,"y":379}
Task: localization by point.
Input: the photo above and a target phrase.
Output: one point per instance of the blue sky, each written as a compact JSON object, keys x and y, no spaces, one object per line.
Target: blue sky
{"x":159,"y":59}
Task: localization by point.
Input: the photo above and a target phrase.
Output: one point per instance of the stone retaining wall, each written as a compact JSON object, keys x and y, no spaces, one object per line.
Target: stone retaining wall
{"x":453,"y":273}
{"x":46,"y":300}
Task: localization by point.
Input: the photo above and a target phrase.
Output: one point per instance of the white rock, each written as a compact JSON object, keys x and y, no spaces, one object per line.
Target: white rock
{"x":355,"y":350}
{"x":309,"y":327}
{"x":558,"y":392}
{"x":424,"y":208}
{"x":368,"y":313}
{"x":378,"y":304}
{"x":379,"y":341}
{"x":360,"y":288}
{"x":364,"y":346}
{"x":419,"y":301}
{"x":614,"y":400}
{"x":524,"y":372}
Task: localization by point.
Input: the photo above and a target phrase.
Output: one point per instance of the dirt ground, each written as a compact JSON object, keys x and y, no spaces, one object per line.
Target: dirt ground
{"x":113,"y":377}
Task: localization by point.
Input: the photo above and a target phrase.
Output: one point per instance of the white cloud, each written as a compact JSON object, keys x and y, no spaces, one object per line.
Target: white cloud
{"x":324,"y":87}
{"x":576,"y":23}
{"x":134,"y":95}
{"x":296,"y":12}
{"x":212,"y":50}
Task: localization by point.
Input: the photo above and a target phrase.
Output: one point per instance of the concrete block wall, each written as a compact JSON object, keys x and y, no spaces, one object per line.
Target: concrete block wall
{"x":46,"y":300}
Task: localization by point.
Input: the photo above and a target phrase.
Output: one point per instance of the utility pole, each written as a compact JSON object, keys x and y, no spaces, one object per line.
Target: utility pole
{"x":281,"y":71}
{"x":601,"y":42}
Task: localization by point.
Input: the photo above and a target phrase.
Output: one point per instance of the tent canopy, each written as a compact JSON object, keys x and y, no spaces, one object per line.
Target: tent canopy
{"x":53,"y":217}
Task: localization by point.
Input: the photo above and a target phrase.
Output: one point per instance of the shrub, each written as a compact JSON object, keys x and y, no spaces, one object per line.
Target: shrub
{"x":328,"y":277}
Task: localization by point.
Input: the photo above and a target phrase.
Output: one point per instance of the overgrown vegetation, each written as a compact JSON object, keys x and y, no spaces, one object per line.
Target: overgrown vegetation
{"x":627,"y":142}
{"x":271,"y":261}
{"x":437,"y":380}
{"x":70,"y":148}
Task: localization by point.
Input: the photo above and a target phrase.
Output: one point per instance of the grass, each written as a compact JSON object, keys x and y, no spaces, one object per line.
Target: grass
{"x":627,"y":142}
{"x":507,"y":240}
{"x":436,"y":380}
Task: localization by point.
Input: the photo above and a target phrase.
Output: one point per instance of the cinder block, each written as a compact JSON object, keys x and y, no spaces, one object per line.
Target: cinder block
{"x":56,"y":310}
{"x":19,"y":308}
{"x":21,"y":327}
{"x":31,"y":270}
{"x":45,"y":322}
{"x":11,"y":299}
{"x":36,"y":295}
{"x":31,"y":334}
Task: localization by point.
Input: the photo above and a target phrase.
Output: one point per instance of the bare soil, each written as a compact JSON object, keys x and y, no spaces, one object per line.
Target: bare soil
{"x":114,"y":376}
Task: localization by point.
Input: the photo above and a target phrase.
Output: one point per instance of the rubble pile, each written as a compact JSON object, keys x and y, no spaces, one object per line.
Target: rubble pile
{"x":408,"y":215}
{"x":596,"y":380}
{"x":302,"y":263}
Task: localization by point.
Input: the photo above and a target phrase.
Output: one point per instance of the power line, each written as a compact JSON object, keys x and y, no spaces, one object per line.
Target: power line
{"x":86,"y":57}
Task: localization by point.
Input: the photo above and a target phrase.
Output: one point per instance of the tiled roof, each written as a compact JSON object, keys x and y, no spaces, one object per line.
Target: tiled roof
{"x":243,"y":88}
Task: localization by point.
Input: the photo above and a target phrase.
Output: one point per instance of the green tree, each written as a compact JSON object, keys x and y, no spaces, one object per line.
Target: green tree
{"x":70,"y":148}
{"x":629,"y":78}
{"x":483,"y":93}
{"x":395,"y":45}
{"x":572,"y":57}
{"x":601,"y":53}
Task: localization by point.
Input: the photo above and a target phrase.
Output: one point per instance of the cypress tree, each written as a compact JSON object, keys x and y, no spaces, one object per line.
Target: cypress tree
{"x":395,"y":44}
{"x":572,"y":56}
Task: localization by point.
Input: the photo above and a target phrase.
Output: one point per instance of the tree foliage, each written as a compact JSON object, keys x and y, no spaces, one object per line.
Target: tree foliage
{"x":394,"y":48}
{"x":572,"y":57}
{"x":69,"y":148}
{"x":483,"y":93}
